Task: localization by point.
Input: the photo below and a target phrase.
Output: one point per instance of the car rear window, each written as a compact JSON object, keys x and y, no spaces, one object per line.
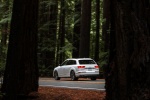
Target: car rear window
{"x":86,"y":62}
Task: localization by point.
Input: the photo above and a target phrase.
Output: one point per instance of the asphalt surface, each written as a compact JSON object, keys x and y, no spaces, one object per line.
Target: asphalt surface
{"x":82,"y":83}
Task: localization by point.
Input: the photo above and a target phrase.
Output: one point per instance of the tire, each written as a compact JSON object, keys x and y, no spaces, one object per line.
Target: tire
{"x":93,"y":78}
{"x":56,"y":76}
{"x":73,"y":76}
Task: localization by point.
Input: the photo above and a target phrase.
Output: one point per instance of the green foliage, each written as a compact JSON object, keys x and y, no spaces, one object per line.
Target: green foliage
{"x":5,"y":17}
{"x":103,"y":61}
{"x":1,"y":95}
{"x":103,"y":58}
{"x":67,"y":49}
{"x":45,"y":71}
{"x":5,"y":20}
{"x":5,"y":12}
{"x":3,"y":53}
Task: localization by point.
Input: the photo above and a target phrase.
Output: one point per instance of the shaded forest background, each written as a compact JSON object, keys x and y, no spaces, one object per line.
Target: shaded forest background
{"x":41,"y":34}
{"x":59,"y":33}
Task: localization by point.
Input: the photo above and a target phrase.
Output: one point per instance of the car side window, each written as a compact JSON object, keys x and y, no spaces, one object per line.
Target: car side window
{"x":71,"y":62}
{"x":74,"y":62}
{"x":64,"y":63}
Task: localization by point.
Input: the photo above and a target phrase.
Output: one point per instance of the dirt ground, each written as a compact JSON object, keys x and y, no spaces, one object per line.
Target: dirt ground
{"x":51,"y":93}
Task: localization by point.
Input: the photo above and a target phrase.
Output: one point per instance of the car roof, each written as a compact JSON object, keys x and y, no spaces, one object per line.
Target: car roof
{"x":79,"y":59}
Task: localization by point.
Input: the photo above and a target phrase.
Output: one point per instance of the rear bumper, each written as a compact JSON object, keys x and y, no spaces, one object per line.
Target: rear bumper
{"x":87,"y":74}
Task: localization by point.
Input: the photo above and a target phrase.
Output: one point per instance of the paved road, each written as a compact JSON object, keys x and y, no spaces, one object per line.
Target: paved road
{"x":67,"y":83}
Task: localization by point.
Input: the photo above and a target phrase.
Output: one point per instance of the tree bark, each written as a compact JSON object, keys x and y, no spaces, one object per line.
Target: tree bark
{"x":128,"y":76}
{"x":106,"y":24}
{"x":85,"y":29}
{"x":96,"y":57}
{"x":76,"y":34}
{"x":21,"y":72}
{"x":53,"y":32}
{"x":62,"y":32}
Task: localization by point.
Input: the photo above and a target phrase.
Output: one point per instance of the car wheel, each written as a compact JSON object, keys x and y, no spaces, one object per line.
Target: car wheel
{"x":73,"y":76}
{"x":93,"y":78}
{"x":56,"y":76}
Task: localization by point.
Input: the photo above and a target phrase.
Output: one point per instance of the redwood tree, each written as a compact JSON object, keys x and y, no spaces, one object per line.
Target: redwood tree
{"x":21,"y":73}
{"x":129,"y":64}
{"x":106,"y":24}
{"x":77,"y":25}
{"x":52,"y":32}
{"x":61,"y":33}
{"x":96,"y":56}
{"x":85,"y":29}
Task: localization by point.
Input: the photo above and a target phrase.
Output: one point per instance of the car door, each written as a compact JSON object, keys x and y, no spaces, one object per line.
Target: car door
{"x":62,"y":68}
{"x":69,"y":65}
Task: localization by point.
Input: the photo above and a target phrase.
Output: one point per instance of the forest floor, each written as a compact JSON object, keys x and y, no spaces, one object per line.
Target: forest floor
{"x":51,"y":93}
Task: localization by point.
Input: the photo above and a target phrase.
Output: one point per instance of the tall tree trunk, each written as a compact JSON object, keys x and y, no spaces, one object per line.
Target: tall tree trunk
{"x":130,"y":70}
{"x":21,"y":73}
{"x":52,"y":34}
{"x":53,"y":29}
{"x":62,"y":31}
{"x":106,"y":24}
{"x":85,"y":29}
{"x":96,"y":57}
{"x":111,"y":84}
{"x":76,"y":34}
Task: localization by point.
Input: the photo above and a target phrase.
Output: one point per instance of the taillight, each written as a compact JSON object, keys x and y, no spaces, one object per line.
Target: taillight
{"x":81,"y":66}
{"x":96,"y":66}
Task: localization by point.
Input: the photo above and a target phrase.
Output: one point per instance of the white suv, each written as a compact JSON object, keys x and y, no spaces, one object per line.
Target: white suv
{"x":76,"y":68}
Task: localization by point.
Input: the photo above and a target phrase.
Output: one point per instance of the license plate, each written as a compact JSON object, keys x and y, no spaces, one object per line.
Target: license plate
{"x":89,"y":69}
